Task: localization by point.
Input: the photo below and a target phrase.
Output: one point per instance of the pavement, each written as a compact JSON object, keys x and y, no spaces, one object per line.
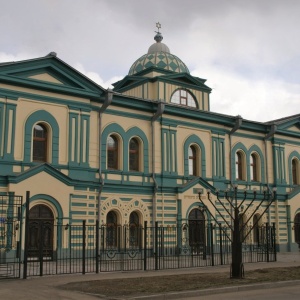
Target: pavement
{"x":40,"y":288}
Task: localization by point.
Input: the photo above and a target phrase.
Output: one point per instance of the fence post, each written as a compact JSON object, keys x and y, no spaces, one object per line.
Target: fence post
{"x":267,"y":236}
{"x":26,"y":234}
{"x":41,"y":225}
{"x":274,"y":242}
{"x":97,"y":246}
{"x":83,"y":245}
{"x":221,"y":242}
{"x":156,"y":246}
{"x":212,"y":244}
{"x":145,"y":245}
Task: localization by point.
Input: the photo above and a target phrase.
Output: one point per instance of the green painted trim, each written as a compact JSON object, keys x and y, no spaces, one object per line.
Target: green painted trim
{"x":258,"y":151}
{"x":73,"y":116}
{"x":296,"y":155}
{"x":218,"y":157}
{"x":7,"y":139}
{"x":125,"y":138}
{"x":194,"y":139}
{"x":84,"y":160}
{"x":41,"y":116}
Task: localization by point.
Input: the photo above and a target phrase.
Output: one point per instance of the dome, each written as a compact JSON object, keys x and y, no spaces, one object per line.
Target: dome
{"x":158,"y":56}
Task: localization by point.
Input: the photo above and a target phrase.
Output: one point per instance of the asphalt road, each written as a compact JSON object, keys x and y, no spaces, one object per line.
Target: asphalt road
{"x":280,"y":293}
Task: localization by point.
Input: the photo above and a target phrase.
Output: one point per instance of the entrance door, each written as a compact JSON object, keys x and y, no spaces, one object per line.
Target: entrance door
{"x":197,"y":231}
{"x":41,"y":227}
{"x":297,"y":228}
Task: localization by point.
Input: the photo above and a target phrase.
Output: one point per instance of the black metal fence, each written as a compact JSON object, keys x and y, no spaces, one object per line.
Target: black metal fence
{"x":85,"y":248}
{"x":10,"y":237}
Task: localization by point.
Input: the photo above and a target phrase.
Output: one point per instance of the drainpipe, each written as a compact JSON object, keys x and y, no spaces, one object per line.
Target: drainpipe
{"x":268,"y":135}
{"x":159,"y":112}
{"x":237,"y":125}
{"x":107,"y":102}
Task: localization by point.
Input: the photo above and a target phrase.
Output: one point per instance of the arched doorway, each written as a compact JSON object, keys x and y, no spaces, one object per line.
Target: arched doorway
{"x":41,"y":228}
{"x":297,"y":229}
{"x":197,"y":231}
{"x":112,"y":230}
{"x":135,"y":234}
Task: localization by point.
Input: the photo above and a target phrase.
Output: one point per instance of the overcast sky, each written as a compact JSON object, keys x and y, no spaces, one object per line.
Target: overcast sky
{"x":249,"y":51}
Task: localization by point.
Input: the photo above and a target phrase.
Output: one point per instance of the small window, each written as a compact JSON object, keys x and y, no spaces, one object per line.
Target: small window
{"x":183,"y":97}
{"x":192,"y":161}
{"x":39,"y":153}
{"x":253,"y":167}
{"x":112,"y":152}
{"x":134,"y":155}
{"x":295,"y":171}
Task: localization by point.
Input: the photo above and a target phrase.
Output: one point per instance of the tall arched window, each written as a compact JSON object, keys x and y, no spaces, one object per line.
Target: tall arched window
{"x":183,"y":97}
{"x":134,"y":155}
{"x":295,"y":171}
{"x":253,"y":167}
{"x":192,"y":161}
{"x":239,"y":166}
{"x":39,"y":148}
{"x":112,"y":152}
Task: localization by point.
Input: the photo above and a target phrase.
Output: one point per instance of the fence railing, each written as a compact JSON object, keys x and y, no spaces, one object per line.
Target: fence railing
{"x":88,"y":248}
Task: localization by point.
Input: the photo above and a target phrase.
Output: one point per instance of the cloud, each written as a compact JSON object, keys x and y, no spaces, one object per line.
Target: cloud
{"x":96,"y":77}
{"x":254,"y":100}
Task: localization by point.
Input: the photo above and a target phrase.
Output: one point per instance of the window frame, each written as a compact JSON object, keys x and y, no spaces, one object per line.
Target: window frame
{"x":114,"y":151}
{"x":295,"y":171}
{"x":239,"y":165}
{"x":254,"y":167}
{"x":183,"y":97}
{"x":194,"y":159}
{"x":37,"y":140}
{"x":135,"y":155}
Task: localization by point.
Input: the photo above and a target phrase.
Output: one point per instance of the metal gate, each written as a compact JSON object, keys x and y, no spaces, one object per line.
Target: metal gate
{"x":10,"y":236}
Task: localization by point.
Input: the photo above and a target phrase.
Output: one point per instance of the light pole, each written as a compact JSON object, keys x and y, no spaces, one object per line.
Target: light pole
{"x":237,"y":223}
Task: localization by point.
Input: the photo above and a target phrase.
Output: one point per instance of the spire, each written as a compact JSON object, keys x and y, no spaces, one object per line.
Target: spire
{"x":158,"y":37}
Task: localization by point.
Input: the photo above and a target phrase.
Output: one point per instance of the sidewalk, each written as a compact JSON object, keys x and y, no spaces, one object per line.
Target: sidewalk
{"x":41,"y":288}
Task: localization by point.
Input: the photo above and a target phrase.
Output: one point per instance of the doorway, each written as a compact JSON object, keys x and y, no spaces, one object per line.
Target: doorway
{"x":41,"y":228}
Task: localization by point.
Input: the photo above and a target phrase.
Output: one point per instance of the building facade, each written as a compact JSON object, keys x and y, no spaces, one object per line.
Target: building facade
{"x":140,"y":152}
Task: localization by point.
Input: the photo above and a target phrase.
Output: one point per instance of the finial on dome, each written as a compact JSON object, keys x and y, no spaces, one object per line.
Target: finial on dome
{"x":158,"y":37}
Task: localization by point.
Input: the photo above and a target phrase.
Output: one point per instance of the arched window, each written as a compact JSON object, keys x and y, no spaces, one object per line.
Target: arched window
{"x":239,"y":168}
{"x":134,"y":230}
{"x":112,"y":152}
{"x":39,"y":147}
{"x":253,"y":167}
{"x":134,"y":155}
{"x":295,"y":171}
{"x":297,"y":228}
{"x":183,"y":97}
{"x":111,"y":230}
{"x":192,"y":161}
{"x":197,"y":230}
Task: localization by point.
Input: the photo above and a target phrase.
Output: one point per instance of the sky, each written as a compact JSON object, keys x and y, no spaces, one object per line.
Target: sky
{"x":248,"y":51}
